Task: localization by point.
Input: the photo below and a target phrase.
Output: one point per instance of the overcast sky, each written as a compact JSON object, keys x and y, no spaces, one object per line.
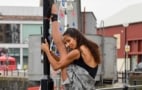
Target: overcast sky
{"x":102,"y":8}
{"x":105,"y":8}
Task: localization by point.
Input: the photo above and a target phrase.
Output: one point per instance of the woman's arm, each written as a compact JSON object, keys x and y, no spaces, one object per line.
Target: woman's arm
{"x":55,"y":56}
{"x":62,"y":62}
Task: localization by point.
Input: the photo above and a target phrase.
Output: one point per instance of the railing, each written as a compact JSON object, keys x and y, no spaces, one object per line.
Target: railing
{"x":134,"y":82}
{"x":125,"y":87}
{"x":14,"y":73}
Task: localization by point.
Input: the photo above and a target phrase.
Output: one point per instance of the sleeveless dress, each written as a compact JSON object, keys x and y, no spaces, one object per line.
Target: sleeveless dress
{"x":80,"y":76}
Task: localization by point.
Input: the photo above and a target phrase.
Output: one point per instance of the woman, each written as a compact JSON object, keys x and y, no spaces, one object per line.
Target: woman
{"x":79,"y":57}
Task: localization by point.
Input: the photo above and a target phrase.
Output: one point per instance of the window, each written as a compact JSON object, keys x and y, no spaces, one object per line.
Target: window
{"x":10,"y":33}
{"x":30,"y":29}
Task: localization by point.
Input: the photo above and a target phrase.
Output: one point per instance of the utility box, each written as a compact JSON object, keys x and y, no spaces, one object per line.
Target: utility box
{"x":35,"y":65}
{"x":110,"y":58}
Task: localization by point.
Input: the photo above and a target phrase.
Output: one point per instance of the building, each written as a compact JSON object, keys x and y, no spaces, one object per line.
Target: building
{"x":16,"y":24}
{"x":126,"y":26}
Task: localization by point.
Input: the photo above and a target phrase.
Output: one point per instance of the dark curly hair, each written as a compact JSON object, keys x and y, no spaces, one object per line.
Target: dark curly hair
{"x":82,"y":40}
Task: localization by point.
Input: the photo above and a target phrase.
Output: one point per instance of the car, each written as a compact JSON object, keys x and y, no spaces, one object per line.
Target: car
{"x":139,"y":67}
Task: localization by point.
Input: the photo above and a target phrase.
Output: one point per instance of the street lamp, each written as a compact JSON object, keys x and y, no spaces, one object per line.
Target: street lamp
{"x":126,"y":52}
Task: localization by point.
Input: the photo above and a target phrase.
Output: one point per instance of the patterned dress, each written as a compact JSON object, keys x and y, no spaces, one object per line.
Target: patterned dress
{"x":78,"y":79}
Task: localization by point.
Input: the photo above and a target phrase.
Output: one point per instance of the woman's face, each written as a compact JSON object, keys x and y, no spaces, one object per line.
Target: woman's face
{"x":69,"y":42}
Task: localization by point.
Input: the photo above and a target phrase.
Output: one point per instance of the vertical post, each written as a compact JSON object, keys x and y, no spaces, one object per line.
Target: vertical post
{"x":125,"y":53}
{"x":125,"y":41}
{"x":7,"y":60}
{"x":46,"y":82}
{"x":84,"y":21}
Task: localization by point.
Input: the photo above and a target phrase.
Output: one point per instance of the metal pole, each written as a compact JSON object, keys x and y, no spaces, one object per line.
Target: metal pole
{"x":125,"y":87}
{"x":46,"y":82}
{"x":102,"y":41}
{"x":7,"y":61}
{"x":125,"y":52}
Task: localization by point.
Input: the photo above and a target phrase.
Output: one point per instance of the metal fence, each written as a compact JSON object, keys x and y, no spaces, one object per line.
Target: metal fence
{"x":14,"y":73}
{"x":125,"y":87}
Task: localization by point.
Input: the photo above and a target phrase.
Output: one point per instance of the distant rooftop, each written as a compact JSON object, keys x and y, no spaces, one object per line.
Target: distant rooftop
{"x":21,"y":11}
{"x":131,"y":14}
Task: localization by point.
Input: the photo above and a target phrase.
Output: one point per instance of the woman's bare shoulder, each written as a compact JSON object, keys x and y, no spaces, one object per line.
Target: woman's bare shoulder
{"x":85,"y":51}
{"x":74,"y":53}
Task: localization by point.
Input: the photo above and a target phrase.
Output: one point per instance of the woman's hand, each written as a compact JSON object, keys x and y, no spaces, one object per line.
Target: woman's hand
{"x":45,"y":46}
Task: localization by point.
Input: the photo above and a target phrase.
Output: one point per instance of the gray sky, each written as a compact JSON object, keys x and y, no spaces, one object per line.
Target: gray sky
{"x":105,"y":8}
{"x":102,"y":8}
